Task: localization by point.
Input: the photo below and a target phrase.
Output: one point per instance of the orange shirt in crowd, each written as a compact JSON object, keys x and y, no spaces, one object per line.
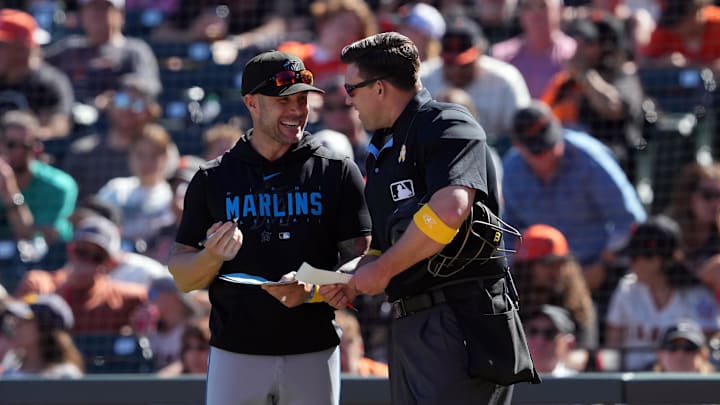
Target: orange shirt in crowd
{"x":664,"y":41}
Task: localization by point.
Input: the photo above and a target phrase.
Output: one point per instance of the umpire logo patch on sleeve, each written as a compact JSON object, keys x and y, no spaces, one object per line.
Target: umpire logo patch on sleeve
{"x":402,"y":190}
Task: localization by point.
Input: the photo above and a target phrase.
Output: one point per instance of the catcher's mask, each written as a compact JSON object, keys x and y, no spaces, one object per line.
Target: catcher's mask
{"x":479,"y":238}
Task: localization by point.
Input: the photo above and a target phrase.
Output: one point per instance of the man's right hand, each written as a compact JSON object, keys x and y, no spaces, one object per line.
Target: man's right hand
{"x":224,"y":240}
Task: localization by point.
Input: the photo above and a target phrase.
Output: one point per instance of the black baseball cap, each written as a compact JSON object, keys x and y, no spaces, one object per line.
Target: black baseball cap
{"x":261,"y":75}
{"x":658,"y":236}
{"x":535,"y":127}
{"x":463,"y":41}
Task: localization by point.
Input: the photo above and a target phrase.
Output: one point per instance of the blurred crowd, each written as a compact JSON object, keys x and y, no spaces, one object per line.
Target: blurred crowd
{"x":601,"y":116}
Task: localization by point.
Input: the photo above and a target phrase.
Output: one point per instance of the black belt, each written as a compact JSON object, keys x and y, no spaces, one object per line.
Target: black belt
{"x":415,"y":303}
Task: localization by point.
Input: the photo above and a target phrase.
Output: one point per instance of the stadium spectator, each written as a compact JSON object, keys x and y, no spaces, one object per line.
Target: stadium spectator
{"x":163,"y":320}
{"x":218,"y":139}
{"x":338,"y":23}
{"x":160,"y":246}
{"x":352,"y":349}
{"x":42,"y":344}
{"x":687,"y":34}
{"x":497,"y":88}
{"x":683,"y":349}
{"x":337,"y":115}
{"x":551,"y":338}
{"x":570,"y":181}
{"x":36,"y":199}
{"x":246,"y":22}
{"x":542,"y":49}
{"x":497,"y":17}
{"x":425,"y":26}
{"x":598,"y":92}
{"x":95,"y":245}
{"x":548,"y":274}
{"x":96,"y":61}
{"x":144,"y":198}
{"x":27,"y":82}
{"x":194,"y":350}
{"x":94,"y":159}
{"x":695,"y":205}
{"x":657,"y":292}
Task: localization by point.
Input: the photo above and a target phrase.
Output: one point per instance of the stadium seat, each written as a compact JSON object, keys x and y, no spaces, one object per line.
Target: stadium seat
{"x":115,"y":353}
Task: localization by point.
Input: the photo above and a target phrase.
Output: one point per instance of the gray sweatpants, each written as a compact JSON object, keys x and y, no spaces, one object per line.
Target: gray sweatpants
{"x":428,"y":363}
{"x":300,"y":379}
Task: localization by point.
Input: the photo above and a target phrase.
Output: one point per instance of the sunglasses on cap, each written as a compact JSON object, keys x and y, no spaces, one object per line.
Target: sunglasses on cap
{"x":124,"y":101}
{"x":545,"y":333}
{"x":687,"y":347}
{"x":349,"y":88}
{"x":285,"y":78}
{"x":709,"y":194}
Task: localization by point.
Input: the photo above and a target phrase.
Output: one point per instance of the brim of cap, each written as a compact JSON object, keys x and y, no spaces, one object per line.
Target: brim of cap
{"x":19,"y":309}
{"x":540,"y":143}
{"x":690,"y":337}
{"x":463,"y":58}
{"x":10,"y":37}
{"x":289,"y":90}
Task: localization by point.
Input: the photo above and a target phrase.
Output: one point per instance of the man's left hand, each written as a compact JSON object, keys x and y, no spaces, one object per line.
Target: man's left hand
{"x":290,"y":295}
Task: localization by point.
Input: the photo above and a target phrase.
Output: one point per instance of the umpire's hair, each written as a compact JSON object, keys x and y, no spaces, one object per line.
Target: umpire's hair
{"x":389,"y":55}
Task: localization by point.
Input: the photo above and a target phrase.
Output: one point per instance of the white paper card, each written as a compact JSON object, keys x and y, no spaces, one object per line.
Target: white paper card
{"x":309,"y":274}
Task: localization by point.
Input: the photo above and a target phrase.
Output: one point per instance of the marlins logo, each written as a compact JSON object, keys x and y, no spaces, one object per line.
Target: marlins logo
{"x":291,"y":65}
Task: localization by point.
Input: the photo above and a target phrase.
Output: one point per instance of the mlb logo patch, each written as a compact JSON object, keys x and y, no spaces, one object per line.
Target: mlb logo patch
{"x":402,"y":190}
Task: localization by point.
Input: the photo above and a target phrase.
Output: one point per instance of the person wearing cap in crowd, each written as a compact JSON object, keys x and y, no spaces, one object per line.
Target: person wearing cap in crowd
{"x":683,"y":349}
{"x":497,"y":88}
{"x":550,"y":334}
{"x":687,"y":35}
{"x":548,"y":273}
{"x":571,"y":181}
{"x":275,"y":200}
{"x":27,"y":82}
{"x":129,"y":110}
{"x":658,"y":291}
{"x":96,"y":60}
{"x":425,"y":26}
{"x":96,"y":245}
{"x":42,"y":343}
{"x":542,"y":49}
{"x":36,"y":199}
{"x":599,"y":91}
{"x":428,"y":167}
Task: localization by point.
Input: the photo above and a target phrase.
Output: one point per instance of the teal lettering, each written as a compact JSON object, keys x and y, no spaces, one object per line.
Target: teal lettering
{"x":301,"y":204}
{"x":276,"y":207}
{"x":264,"y":200}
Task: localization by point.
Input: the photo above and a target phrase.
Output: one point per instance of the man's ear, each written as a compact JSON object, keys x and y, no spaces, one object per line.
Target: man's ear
{"x":250,"y":101}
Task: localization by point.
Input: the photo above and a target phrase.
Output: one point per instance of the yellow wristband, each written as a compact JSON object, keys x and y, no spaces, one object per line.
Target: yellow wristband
{"x":373,"y":252}
{"x":315,"y":295}
{"x":431,"y":225}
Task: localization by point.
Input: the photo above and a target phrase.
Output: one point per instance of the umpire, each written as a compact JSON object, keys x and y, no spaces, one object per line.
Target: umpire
{"x":456,"y":337}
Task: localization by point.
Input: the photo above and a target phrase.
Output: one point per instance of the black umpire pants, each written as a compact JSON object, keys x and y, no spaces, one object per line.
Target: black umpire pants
{"x":429,"y":363}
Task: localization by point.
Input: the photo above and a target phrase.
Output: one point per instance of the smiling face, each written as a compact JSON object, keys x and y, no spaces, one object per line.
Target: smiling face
{"x":279,"y":121}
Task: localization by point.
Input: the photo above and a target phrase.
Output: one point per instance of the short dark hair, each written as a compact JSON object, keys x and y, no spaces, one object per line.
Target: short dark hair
{"x":389,"y":54}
